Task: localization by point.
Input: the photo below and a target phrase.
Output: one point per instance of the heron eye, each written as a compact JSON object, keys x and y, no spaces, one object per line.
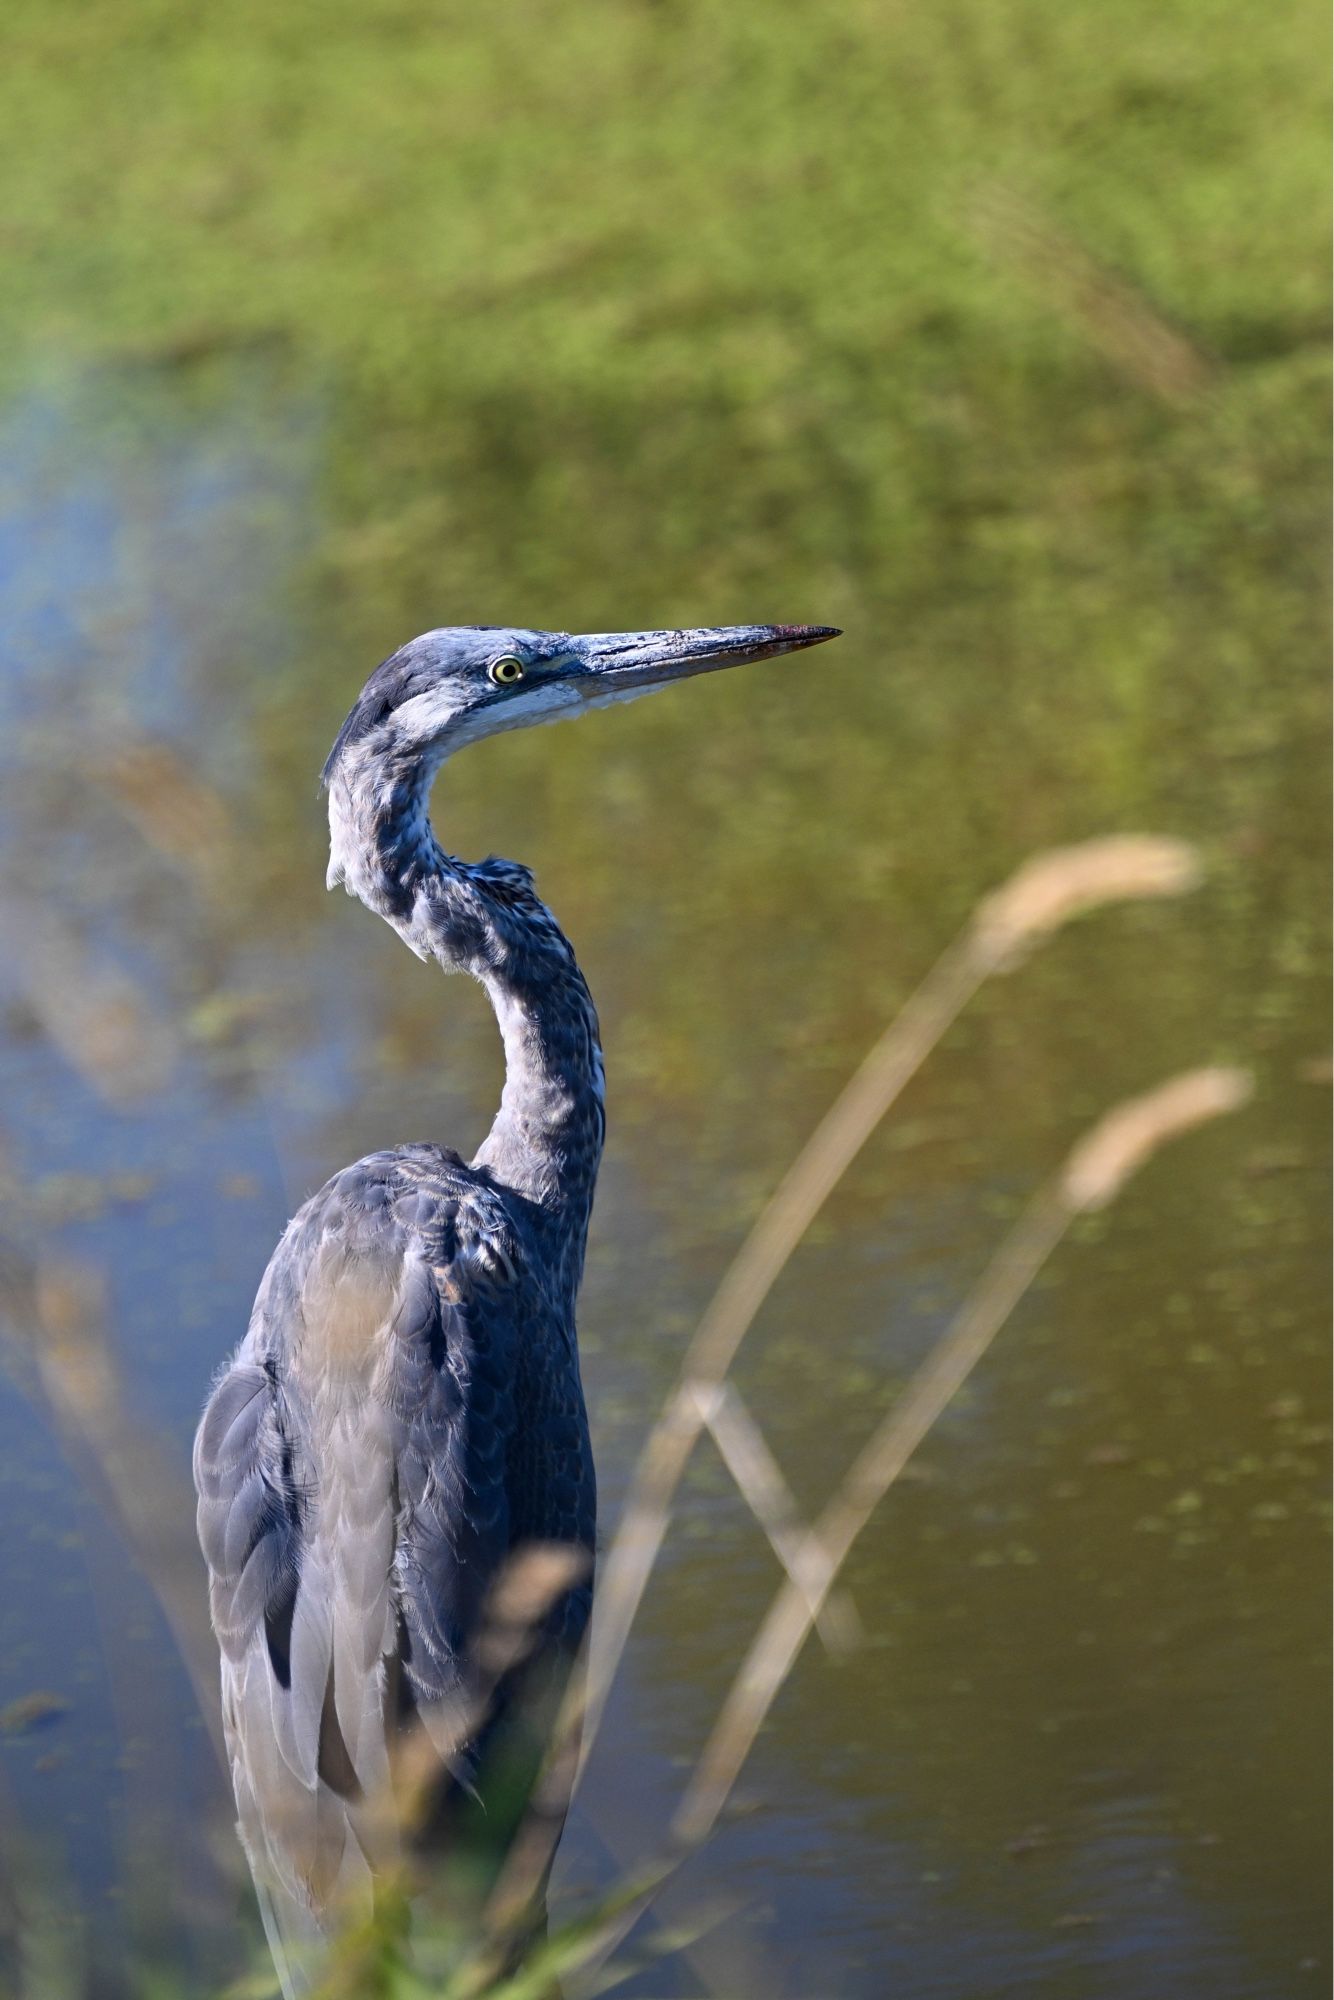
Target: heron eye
{"x":506,"y":670}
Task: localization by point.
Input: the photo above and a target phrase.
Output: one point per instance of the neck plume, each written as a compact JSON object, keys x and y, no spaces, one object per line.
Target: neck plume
{"x":485,"y":918}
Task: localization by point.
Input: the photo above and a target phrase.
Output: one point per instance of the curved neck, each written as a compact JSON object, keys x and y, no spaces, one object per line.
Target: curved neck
{"x":485,"y":918}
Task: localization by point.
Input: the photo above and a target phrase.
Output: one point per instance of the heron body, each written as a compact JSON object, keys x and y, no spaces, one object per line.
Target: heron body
{"x":405,"y":1411}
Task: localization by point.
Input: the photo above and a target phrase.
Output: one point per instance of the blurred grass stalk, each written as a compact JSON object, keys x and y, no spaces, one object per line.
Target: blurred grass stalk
{"x":1115,"y":317}
{"x":124,"y":1467}
{"x":1043,"y":894}
{"x":1093,"y":1175}
{"x":1095,"y":1171}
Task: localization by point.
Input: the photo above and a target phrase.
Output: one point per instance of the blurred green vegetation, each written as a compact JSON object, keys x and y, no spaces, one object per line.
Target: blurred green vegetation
{"x":657,"y":295}
{"x":992,"y":332}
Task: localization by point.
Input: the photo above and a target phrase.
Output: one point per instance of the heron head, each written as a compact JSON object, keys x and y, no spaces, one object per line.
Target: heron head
{"x":456,"y":685}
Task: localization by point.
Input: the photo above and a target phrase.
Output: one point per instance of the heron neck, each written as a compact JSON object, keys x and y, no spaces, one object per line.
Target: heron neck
{"x":546,"y":1138}
{"x":486,"y":919}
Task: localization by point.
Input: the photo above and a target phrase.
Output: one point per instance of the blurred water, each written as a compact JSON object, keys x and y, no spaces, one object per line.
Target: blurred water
{"x":1077,"y":1753}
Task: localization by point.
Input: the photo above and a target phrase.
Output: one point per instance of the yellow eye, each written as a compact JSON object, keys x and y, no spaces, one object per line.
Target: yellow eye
{"x":506,"y":670}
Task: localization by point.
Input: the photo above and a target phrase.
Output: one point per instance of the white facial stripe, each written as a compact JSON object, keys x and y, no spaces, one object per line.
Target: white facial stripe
{"x":438,"y":712}
{"x":572,"y":697}
{"x":542,"y":702}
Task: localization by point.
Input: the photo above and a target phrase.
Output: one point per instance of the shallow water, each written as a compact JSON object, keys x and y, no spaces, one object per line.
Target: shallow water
{"x":1081,"y":1749}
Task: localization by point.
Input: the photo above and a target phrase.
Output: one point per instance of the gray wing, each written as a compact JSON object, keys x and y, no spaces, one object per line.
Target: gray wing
{"x":454,"y":1418}
{"x":351,"y":1468}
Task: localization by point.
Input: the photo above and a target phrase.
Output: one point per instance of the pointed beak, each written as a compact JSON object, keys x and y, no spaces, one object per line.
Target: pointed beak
{"x":628,"y":663}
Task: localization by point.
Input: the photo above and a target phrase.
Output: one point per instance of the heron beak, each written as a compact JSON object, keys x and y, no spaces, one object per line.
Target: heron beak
{"x":629,"y":663}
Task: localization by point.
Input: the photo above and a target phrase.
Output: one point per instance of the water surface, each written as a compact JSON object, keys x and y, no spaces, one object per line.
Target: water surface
{"x":1078,"y":1751}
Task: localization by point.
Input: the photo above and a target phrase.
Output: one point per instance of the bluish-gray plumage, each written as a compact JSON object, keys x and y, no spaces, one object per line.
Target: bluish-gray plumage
{"x":405,"y":1411}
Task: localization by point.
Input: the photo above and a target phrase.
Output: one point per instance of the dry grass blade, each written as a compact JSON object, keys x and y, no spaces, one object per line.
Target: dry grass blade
{"x":753,"y":1466}
{"x":1044,"y":893}
{"x":1115,"y":317}
{"x":1118,"y":1146}
{"x":1055,"y":887}
{"x":580,"y":1946}
{"x":180,"y":816}
{"x":1096,"y":1170}
{"x":116,"y":1454}
{"x":527,"y":1586}
{"x":89,"y":1007}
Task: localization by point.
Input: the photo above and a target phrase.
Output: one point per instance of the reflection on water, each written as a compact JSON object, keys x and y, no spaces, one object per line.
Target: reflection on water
{"x":1074,"y":1753}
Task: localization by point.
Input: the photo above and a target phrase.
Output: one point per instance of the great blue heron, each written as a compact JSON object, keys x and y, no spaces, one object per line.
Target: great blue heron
{"x":405,"y":1410}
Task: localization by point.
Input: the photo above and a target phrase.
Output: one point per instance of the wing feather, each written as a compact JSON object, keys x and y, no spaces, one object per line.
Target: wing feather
{"x":455,"y":1417}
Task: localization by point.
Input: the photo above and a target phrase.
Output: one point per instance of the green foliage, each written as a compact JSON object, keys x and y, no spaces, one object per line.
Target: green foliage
{"x":834,"y":311}
{"x":993,"y":333}
{"x":643,"y":294}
